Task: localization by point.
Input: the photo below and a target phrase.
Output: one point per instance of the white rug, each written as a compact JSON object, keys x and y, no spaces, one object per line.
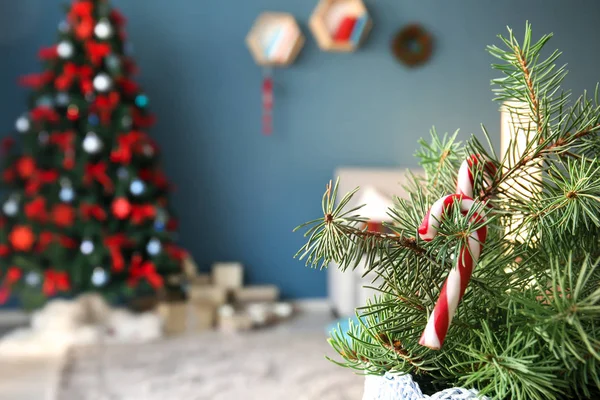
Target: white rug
{"x":263,"y":365}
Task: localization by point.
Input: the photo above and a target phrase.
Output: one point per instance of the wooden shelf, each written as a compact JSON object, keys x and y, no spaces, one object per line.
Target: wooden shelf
{"x":340,"y":25}
{"x":275,"y":39}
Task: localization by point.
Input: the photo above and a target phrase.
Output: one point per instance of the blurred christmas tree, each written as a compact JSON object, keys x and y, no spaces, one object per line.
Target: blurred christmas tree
{"x":491,"y":278}
{"x":87,"y":203}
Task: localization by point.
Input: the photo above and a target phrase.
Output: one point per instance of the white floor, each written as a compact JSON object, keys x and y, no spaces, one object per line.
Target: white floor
{"x":39,"y":379}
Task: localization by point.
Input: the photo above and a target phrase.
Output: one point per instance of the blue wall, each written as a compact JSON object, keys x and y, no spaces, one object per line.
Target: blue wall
{"x":240,"y":193}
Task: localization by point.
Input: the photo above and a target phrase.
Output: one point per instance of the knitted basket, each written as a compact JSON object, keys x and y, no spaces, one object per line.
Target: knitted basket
{"x":397,"y":386}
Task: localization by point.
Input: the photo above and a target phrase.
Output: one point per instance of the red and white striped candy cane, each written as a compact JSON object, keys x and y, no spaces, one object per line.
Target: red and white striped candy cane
{"x":456,"y":283}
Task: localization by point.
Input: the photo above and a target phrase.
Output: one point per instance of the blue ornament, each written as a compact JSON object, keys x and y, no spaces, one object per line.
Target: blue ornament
{"x":122,"y":173}
{"x":62,"y":99}
{"x":44,"y":101}
{"x":66,"y":194}
{"x":141,"y":100}
{"x":159,"y":225}
{"x":153,"y":247}
{"x":93,"y":119}
{"x":137,"y":187}
{"x":129,"y":48}
{"x":64,"y":26}
{"x":112,"y":62}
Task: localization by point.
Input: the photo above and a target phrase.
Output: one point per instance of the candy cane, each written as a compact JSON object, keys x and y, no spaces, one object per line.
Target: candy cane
{"x":456,"y":283}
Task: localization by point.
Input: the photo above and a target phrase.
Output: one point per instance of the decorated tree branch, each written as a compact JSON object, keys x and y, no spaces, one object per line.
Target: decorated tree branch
{"x":490,"y":278}
{"x":87,"y":203}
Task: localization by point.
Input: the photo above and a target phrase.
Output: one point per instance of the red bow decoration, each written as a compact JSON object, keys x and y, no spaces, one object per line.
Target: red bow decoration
{"x":71,"y":71}
{"x":129,"y":87}
{"x":35,"y":210}
{"x":44,"y":113}
{"x":144,"y":270}
{"x":176,"y":252}
{"x":89,"y":211}
{"x":7,"y":144}
{"x":67,"y":242}
{"x":130,"y":67}
{"x":117,"y":17}
{"x":97,"y":51}
{"x":156,"y":177}
{"x":122,"y":154}
{"x":64,"y":140}
{"x":55,"y":281}
{"x":44,"y":240}
{"x":36,"y":81}
{"x":13,"y":274}
{"x":141,"y":212}
{"x":114,"y":244}
{"x":104,"y":105}
{"x":142,"y":121}
{"x":97,"y":172}
{"x":48,"y":53}
{"x":39,"y":178}
{"x":82,"y":19}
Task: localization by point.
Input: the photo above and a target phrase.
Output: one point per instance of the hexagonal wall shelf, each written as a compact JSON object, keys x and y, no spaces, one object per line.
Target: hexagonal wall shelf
{"x":275,"y":39}
{"x":340,"y":25}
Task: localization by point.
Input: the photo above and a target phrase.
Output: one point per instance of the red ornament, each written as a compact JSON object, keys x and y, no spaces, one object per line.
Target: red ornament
{"x":21,"y":238}
{"x":63,"y":215}
{"x":26,"y":167}
{"x":4,"y":250}
{"x":121,"y":208}
{"x":73,"y":112}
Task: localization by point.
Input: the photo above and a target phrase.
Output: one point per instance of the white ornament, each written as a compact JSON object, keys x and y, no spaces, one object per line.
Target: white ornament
{"x":99,"y":276}
{"x":102,"y":82}
{"x":92,"y":143}
{"x":32,"y":278}
{"x":10,"y":208}
{"x":126,"y":121}
{"x":22,"y":124}
{"x":65,"y":49}
{"x":153,"y":247}
{"x":137,"y":187}
{"x":87,"y":247}
{"x":103,"y":29}
{"x":66,"y":194}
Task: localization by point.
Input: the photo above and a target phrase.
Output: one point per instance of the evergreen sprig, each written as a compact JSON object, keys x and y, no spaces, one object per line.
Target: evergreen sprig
{"x":527,"y":326}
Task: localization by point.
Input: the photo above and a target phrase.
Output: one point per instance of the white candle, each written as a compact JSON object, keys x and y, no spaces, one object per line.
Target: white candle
{"x":517,"y":131}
